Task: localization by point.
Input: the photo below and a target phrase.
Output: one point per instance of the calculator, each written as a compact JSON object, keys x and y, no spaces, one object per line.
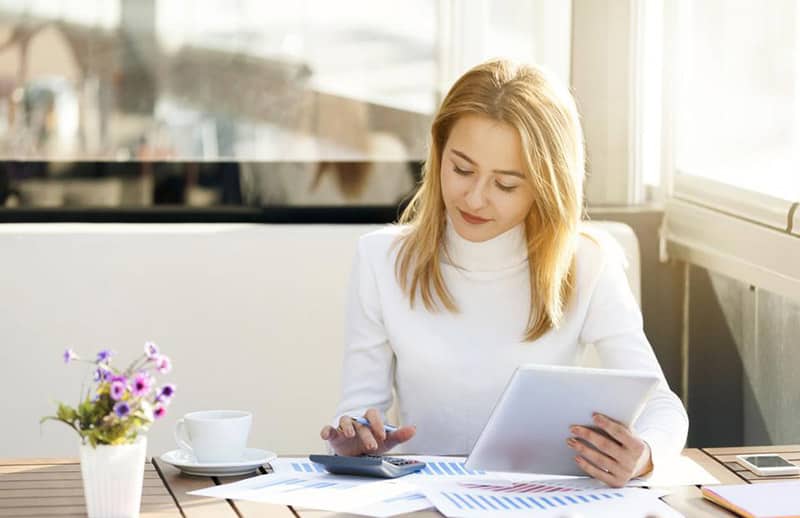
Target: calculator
{"x":368,"y":465}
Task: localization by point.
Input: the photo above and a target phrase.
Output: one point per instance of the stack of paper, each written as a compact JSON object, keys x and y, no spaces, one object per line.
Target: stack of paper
{"x":455,"y":491}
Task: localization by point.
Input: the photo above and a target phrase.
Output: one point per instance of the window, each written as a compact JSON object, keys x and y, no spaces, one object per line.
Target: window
{"x":733,"y":76}
{"x":738,"y":102}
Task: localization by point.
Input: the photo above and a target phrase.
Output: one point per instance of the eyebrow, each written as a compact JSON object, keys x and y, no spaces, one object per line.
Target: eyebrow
{"x":500,"y":171}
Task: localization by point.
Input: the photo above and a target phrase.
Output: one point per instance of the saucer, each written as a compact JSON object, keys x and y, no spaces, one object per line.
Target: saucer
{"x":251,"y":460}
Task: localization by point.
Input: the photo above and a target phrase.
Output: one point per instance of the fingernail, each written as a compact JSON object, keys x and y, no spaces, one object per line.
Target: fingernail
{"x":574,"y":429}
{"x":571,"y":442}
{"x":598,"y":419}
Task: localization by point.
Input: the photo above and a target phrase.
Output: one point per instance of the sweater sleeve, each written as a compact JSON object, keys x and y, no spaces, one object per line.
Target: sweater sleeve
{"x":614,"y":325}
{"x":368,"y":364}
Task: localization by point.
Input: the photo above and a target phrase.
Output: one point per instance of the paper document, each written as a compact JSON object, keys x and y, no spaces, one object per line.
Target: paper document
{"x":459,"y":499}
{"x":449,"y":467}
{"x":436,"y":468}
{"x":679,"y":471}
{"x":344,"y":494}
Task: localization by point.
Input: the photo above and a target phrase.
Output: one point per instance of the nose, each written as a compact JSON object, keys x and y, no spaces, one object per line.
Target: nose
{"x":476,"y":196}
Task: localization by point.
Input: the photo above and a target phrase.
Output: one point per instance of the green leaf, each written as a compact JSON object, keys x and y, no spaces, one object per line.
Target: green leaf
{"x":66,"y":413}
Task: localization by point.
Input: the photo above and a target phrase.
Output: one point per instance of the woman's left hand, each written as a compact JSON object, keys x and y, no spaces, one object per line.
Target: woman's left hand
{"x":619,"y":455}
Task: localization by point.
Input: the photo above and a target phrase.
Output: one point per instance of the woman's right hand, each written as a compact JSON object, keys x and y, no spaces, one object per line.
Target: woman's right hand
{"x":353,"y":439}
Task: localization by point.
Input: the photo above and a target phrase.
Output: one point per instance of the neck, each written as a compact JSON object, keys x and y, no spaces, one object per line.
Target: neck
{"x":507,"y":250}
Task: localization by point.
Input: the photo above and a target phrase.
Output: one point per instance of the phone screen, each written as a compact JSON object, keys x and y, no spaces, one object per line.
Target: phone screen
{"x":769,"y":461}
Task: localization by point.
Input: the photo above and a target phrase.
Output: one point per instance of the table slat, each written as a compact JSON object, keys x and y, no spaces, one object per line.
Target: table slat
{"x":61,"y":484}
{"x":192,"y":505}
{"x":31,"y":487}
{"x":742,"y":450}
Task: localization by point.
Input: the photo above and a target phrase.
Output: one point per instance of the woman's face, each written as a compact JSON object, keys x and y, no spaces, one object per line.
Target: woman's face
{"x":484,"y":185}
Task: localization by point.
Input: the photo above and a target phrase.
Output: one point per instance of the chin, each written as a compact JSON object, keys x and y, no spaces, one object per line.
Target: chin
{"x":475,"y":235}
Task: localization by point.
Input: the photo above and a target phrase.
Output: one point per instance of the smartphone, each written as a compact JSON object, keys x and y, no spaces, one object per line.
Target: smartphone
{"x":768,"y":464}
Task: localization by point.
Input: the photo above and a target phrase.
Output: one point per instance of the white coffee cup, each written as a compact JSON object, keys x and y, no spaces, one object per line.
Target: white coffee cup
{"x":214,"y":435}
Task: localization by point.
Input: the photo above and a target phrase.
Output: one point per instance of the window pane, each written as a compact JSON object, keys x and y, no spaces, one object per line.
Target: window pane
{"x":216,"y":80}
{"x":737,"y":119}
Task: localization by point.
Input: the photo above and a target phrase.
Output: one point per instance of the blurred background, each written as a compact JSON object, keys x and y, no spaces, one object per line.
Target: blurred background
{"x":312,"y":111}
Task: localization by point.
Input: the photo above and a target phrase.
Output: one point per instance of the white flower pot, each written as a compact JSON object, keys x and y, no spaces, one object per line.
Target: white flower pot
{"x":112,"y":479}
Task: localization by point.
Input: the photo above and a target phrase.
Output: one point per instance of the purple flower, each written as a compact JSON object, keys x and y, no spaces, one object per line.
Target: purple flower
{"x":102,"y":373}
{"x":141,"y":384}
{"x":166,"y":392}
{"x":69,"y":355}
{"x":104,"y":356}
{"x":122,"y":409}
{"x":117,"y":390}
{"x":151,"y":350}
{"x":159,"y":411}
{"x":163,"y":364}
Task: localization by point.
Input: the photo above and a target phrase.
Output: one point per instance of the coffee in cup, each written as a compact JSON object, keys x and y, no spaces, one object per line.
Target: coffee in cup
{"x":214,"y":435}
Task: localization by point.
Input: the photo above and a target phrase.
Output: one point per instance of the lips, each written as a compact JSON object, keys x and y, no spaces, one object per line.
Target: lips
{"x":469,"y":218}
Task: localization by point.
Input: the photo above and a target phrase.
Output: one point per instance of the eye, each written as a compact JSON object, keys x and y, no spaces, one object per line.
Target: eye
{"x":506,"y":188}
{"x":462,"y":172}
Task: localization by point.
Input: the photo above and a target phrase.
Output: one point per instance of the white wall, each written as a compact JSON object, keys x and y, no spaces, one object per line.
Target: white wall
{"x":251,"y":315}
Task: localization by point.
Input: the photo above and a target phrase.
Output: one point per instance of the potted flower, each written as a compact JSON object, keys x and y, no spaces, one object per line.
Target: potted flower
{"x":117,"y":409}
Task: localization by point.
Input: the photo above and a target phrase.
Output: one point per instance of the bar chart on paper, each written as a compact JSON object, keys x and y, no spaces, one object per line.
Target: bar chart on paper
{"x":434,"y":467}
{"x":446,"y":468}
{"x":462,"y":501}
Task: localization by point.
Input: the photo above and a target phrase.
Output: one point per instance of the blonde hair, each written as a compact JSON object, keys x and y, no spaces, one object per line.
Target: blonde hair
{"x":546,"y":119}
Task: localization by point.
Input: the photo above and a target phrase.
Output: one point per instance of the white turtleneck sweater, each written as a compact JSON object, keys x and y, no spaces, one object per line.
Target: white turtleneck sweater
{"x":449,"y":369}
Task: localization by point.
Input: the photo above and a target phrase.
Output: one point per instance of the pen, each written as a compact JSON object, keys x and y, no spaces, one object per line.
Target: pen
{"x":389,"y":428}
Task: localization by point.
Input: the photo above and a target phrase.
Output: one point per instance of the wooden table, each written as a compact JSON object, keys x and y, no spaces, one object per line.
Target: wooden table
{"x":47,"y":487}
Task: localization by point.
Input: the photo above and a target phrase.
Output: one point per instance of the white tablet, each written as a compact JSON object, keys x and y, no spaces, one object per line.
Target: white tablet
{"x":529,"y":426}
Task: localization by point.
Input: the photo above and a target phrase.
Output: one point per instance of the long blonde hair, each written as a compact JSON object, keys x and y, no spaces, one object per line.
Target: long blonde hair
{"x":545,"y":116}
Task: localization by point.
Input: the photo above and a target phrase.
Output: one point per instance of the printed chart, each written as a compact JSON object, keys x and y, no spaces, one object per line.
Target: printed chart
{"x":460,"y":500}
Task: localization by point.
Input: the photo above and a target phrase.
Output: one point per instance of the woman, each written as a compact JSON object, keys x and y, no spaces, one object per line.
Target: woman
{"x":489,"y":271}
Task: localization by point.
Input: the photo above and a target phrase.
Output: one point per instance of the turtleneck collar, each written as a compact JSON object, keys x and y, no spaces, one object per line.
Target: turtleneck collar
{"x":508,"y":250}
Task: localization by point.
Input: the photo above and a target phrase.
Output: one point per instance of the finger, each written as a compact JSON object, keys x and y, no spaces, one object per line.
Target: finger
{"x":376,"y":423}
{"x":399,"y":436}
{"x":608,"y":446}
{"x":597,"y":473}
{"x":367,"y":439}
{"x":347,"y":427}
{"x":604,"y":462}
{"x":615,"y":429}
{"x":329,"y":433}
